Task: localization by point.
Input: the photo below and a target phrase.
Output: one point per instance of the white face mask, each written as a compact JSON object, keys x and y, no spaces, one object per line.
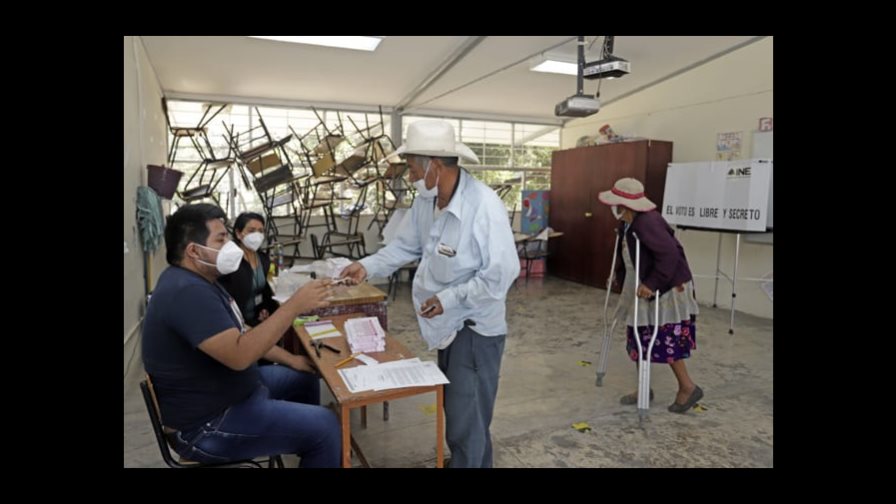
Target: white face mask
{"x":229,"y":257}
{"x":616,"y":212}
{"x":253,"y":240}
{"x":420,"y":185}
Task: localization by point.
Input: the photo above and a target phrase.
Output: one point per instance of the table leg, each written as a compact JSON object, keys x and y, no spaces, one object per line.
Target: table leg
{"x":440,"y":426}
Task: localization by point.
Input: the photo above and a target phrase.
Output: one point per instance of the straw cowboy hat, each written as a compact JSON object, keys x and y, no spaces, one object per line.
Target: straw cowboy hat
{"x":435,"y":138}
{"x":627,"y":192}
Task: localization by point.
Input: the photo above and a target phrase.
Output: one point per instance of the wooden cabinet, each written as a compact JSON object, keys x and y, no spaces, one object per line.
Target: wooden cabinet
{"x":585,"y":252}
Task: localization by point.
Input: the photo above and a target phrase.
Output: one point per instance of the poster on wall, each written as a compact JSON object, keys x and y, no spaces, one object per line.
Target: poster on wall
{"x":719,"y":194}
{"x":536,"y":206}
{"x":763,"y":148}
{"x":728,"y":146}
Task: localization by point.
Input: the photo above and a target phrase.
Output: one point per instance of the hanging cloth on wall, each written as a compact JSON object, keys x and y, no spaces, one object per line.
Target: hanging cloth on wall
{"x":150,"y":219}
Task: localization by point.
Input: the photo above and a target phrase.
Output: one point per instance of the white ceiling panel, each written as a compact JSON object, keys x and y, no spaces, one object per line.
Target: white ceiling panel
{"x":241,"y":67}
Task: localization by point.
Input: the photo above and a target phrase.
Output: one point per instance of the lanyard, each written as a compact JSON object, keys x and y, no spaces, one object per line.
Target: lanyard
{"x":233,"y":308}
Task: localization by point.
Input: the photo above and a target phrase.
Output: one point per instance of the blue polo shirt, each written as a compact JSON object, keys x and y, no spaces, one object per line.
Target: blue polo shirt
{"x":191,"y":386}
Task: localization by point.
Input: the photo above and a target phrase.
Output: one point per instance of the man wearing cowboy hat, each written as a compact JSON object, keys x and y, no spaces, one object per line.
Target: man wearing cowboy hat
{"x":459,"y":231}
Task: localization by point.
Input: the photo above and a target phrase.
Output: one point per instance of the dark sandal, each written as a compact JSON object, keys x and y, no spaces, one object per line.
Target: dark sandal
{"x":696,"y":395}
{"x":632,"y":398}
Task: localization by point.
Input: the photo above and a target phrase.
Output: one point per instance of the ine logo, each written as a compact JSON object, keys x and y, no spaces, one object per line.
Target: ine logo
{"x":743,"y":172}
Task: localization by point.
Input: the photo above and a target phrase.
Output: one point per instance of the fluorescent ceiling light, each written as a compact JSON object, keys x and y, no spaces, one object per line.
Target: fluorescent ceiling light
{"x":554,"y":66}
{"x":359,"y":43}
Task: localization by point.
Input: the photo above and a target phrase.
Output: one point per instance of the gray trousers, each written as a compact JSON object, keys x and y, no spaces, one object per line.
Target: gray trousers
{"x":472,"y":363}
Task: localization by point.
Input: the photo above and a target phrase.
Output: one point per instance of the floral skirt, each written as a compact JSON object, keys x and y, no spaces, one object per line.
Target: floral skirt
{"x":673,"y":341}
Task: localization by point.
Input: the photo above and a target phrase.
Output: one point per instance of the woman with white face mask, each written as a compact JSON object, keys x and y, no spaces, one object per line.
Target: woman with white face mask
{"x":663,"y":270}
{"x":248,"y":285}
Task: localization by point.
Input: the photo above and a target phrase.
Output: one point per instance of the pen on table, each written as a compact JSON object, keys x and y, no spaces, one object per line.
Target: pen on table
{"x":330,"y":347}
{"x":347,"y":359}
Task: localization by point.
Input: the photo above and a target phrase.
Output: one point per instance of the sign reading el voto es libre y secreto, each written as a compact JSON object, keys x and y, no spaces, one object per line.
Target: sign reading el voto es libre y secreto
{"x":718,"y":194}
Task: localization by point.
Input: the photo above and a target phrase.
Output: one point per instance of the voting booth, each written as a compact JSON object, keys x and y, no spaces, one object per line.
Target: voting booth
{"x":723,"y":196}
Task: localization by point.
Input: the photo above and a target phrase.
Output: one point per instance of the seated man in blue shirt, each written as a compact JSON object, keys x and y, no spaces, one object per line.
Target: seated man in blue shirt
{"x":215,"y":402}
{"x":458,"y":229}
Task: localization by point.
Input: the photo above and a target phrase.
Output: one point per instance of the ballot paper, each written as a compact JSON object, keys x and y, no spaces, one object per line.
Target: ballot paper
{"x":392,"y":375}
{"x":322,"y":329}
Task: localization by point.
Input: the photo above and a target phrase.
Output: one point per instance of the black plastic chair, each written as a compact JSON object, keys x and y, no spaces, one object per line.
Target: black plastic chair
{"x":395,"y":277}
{"x":149,"y":397}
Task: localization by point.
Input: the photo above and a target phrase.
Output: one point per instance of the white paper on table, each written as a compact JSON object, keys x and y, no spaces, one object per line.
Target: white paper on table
{"x":357,"y":381}
{"x":419,"y":374}
{"x":320,"y":330}
{"x":392,"y":375}
{"x":366,"y":359}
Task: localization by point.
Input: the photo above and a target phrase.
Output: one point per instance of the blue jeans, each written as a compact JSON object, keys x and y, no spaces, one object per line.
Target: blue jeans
{"x":472,"y":362}
{"x":281,"y":416}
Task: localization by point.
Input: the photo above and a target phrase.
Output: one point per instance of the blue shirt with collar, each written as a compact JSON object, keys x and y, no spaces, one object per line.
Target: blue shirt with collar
{"x":473,"y":283}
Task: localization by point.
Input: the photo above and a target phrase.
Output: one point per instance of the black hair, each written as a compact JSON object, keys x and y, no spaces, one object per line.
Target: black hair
{"x":189,"y":224}
{"x":242,"y":220}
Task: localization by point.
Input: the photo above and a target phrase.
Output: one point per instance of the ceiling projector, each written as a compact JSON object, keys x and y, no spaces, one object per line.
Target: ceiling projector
{"x":608,"y":68}
{"x":577,"y":105}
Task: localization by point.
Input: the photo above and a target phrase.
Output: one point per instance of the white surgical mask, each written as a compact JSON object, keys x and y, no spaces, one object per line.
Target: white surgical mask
{"x":420,"y":185}
{"x":253,"y":240}
{"x":616,"y":212}
{"x":229,"y":257}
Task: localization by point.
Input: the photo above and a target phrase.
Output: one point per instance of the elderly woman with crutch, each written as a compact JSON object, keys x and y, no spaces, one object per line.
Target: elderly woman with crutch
{"x":665,"y":317}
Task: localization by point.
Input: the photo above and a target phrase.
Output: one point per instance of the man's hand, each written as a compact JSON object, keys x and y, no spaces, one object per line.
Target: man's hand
{"x":312,"y":295}
{"x":355,"y":272}
{"x":431,"y":308}
{"x":263,"y":314}
{"x":302,"y":363}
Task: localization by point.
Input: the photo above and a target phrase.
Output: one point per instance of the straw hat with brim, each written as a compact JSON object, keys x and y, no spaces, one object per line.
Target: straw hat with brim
{"x":629,"y":193}
{"x":436,"y":139}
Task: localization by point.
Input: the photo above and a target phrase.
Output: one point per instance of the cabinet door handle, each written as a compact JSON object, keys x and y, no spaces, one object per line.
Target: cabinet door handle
{"x":588,"y":214}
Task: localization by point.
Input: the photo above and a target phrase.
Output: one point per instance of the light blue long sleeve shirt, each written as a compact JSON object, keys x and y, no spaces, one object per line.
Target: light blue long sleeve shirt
{"x":472,"y":284}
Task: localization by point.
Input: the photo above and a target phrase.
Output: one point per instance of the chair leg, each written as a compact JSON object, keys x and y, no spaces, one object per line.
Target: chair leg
{"x":392,"y":285}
